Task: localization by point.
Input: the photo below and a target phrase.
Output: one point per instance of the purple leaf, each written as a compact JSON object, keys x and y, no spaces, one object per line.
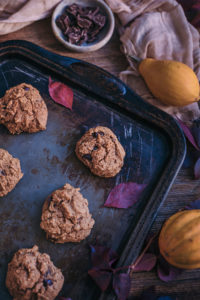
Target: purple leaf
{"x":193,"y":205}
{"x":147,"y":263}
{"x":103,"y":257}
{"x":197,"y":169}
{"x":101,"y":278}
{"x":61,"y":93}
{"x":121,"y":285}
{"x":167,"y":272}
{"x":188,"y":134}
{"x":124,"y":195}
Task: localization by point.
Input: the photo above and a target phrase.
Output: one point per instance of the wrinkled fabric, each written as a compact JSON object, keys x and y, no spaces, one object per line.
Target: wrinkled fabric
{"x":16,"y":14}
{"x":157,"y":29}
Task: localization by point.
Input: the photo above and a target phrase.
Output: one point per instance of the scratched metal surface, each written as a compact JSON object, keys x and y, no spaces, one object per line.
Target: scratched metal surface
{"x":48,"y":161}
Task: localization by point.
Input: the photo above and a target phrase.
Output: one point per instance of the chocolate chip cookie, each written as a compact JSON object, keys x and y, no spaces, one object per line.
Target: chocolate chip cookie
{"x":22,"y":109}
{"x":32,"y":275}
{"x":65,"y":216}
{"x":10,"y":172}
{"x":100,"y":150}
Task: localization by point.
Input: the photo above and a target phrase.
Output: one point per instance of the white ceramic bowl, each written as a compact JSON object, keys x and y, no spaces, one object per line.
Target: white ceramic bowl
{"x":103,"y":36}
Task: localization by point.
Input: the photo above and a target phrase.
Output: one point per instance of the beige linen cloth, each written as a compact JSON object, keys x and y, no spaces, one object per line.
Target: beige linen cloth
{"x":149,"y":28}
{"x":15,"y":14}
{"x":158,"y":29}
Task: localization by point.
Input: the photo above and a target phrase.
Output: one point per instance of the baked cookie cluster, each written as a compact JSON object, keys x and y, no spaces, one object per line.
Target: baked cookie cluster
{"x":100,"y":150}
{"x":32,"y":275}
{"x":10,"y":172}
{"x":65,"y":213}
{"x":65,"y":216}
{"x":22,"y":109}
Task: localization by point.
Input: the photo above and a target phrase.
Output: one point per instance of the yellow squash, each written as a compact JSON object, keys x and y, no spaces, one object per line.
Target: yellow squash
{"x":172,"y":82}
{"x":179,"y":240}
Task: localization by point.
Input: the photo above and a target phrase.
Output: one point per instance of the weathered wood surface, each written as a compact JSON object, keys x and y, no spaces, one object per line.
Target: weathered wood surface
{"x":184,"y":190}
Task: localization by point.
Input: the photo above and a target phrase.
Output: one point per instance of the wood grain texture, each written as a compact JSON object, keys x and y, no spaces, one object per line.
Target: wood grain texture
{"x":184,"y":190}
{"x":40,"y":33}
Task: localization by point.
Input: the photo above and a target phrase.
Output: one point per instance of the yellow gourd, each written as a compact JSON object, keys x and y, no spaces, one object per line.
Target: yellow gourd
{"x":179,"y":239}
{"x":171,"y":82}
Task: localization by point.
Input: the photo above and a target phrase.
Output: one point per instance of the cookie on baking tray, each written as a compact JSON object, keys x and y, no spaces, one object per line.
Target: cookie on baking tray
{"x":10,"y":172}
{"x":32,"y":275}
{"x":65,"y":216}
{"x":100,"y":150}
{"x":22,"y":109}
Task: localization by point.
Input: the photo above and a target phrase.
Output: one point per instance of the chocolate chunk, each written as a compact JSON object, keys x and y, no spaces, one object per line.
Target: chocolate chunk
{"x":47,"y":282}
{"x":73,"y":9}
{"x":26,"y":88}
{"x":2,"y":173}
{"x":87,"y":156}
{"x":48,"y":272}
{"x":60,"y":23}
{"x":83,"y":22}
{"x":95,"y":134}
{"x":101,"y":133}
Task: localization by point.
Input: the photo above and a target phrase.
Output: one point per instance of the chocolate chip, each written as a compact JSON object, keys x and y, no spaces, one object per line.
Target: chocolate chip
{"x":95,"y":134}
{"x":26,"y":88}
{"x":47,"y":282}
{"x":95,"y":148}
{"x":2,"y":172}
{"x":87,"y":156}
{"x":47,"y":272}
{"x":101,"y":133}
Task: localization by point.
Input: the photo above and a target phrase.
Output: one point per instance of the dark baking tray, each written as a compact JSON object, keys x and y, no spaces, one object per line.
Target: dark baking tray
{"x":155,"y":149}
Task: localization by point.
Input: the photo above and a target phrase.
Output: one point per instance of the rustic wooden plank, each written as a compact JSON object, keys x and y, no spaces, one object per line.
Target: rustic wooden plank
{"x":109,"y":57}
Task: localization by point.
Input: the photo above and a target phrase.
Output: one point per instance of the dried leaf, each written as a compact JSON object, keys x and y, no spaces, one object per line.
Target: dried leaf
{"x":101,"y":278}
{"x":102,"y":257}
{"x":121,"y":285}
{"x":61,"y":93}
{"x":124,"y":195}
{"x":147,"y":263}
{"x":193,"y":205}
{"x":188,"y":134}
{"x":197,"y":169}
{"x":167,"y":272}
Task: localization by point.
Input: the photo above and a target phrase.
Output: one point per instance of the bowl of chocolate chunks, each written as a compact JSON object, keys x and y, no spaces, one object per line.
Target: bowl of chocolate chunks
{"x":83,"y":26}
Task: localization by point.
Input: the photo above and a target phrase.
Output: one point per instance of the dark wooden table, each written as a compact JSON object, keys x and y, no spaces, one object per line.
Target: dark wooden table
{"x":184,"y":190}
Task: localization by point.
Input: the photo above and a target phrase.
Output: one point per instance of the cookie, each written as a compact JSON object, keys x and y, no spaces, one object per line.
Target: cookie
{"x":32,"y":275}
{"x":65,"y":216}
{"x":100,"y":150}
{"x":10,"y":172}
{"x":22,"y":109}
